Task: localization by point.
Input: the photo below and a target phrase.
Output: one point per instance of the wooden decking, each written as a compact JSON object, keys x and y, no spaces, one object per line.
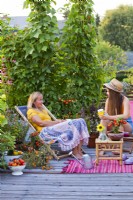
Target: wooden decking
{"x":67,"y":186}
{"x":39,"y":184}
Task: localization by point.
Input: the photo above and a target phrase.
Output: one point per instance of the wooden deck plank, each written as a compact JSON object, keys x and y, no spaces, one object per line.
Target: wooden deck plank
{"x":39,"y":184}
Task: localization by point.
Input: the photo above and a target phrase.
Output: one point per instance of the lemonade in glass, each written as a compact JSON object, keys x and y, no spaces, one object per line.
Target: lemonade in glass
{"x":101,"y":112}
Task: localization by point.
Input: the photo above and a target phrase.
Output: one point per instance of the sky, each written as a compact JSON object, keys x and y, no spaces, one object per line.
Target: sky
{"x":15,"y":7}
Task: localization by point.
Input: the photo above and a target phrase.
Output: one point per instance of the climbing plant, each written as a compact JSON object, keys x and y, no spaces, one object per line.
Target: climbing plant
{"x":29,"y":54}
{"x":78,"y":63}
{"x":65,"y":69}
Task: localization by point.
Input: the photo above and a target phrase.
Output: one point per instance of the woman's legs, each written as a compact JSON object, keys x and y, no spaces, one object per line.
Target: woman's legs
{"x":76,"y":153}
{"x":77,"y":150}
{"x":80,"y":148}
{"x":105,"y":123}
{"x":127,"y":128}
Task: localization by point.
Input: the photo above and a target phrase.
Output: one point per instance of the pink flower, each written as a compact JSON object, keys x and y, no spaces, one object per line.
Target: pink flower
{"x":4,"y":69}
{"x":9,"y":82}
{"x":3,"y":73}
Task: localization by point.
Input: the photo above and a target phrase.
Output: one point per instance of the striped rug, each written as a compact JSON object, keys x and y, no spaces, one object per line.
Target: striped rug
{"x":104,"y":166}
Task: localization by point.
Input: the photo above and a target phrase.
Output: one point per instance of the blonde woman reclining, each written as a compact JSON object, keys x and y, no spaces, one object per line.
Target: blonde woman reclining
{"x":71,"y":134}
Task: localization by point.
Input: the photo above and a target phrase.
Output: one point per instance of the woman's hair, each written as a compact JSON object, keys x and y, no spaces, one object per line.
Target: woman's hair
{"x":32,"y":99}
{"x":115,"y":100}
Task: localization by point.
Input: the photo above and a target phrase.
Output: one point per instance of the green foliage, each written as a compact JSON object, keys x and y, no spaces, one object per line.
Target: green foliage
{"x":7,"y":141}
{"x":116,"y":27}
{"x":97,"y":20}
{"x":78,"y":64}
{"x":112,"y":58}
{"x":11,"y":128}
{"x":122,"y":74}
{"x":129,"y":78}
{"x":92,"y":119}
{"x":38,"y":158}
{"x":38,"y":154}
{"x":33,"y":50}
{"x":3,"y":107}
{"x":35,"y":59}
{"x":65,"y":10}
{"x":17,"y":127}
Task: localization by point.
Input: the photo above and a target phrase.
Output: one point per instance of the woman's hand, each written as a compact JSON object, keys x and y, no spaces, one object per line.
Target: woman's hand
{"x":104,"y":117}
{"x":60,"y":120}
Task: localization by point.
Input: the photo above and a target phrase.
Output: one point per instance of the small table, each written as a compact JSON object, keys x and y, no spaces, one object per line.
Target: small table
{"x":109,"y":146}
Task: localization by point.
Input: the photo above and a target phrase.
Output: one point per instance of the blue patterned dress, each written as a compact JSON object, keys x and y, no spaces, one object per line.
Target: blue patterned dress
{"x":68,"y":133}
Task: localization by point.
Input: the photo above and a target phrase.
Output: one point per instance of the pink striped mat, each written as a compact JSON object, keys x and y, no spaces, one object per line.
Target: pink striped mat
{"x":104,"y":166}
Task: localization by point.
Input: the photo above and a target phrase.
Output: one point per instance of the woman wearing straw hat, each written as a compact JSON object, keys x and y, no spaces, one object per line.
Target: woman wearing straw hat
{"x":117,"y":106}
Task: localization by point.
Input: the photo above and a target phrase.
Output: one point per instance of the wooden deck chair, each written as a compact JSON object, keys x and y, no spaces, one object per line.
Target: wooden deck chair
{"x":22,"y":110}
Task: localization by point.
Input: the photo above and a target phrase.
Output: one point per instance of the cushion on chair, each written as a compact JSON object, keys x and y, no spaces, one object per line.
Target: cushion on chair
{"x":23,"y":109}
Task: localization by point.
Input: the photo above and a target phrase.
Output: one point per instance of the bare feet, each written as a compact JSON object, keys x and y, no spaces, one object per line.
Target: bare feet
{"x":80,"y":153}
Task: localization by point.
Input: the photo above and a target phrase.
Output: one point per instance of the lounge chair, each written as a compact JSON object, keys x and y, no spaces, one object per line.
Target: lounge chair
{"x":22,"y":110}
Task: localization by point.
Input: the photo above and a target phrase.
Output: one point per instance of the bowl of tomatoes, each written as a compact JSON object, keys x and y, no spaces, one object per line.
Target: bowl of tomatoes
{"x":14,"y":155}
{"x":17,"y":166}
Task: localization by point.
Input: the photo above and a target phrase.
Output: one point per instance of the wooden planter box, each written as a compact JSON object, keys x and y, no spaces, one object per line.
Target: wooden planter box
{"x":93,"y":136}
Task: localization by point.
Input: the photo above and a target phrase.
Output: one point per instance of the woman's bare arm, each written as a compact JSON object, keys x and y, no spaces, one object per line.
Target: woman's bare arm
{"x":44,"y":123}
{"x":125,"y":114}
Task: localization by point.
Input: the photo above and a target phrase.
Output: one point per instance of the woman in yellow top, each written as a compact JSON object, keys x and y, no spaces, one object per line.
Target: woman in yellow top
{"x":70,"y":134}
{"x":117,"y":106}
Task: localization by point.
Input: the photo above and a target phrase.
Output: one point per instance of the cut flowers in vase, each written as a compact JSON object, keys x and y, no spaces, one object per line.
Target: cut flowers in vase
{"x":102,"y":130}
{"x":115,"y":124}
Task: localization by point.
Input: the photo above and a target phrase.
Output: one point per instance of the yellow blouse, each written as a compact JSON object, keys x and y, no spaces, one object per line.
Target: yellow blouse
{"x":42,"y":114}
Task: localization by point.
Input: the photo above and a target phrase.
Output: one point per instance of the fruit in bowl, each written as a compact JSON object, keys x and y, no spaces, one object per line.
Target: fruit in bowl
{"x":13,"y":155}
{"x":17,"y":165}
{"x":15,"y":152}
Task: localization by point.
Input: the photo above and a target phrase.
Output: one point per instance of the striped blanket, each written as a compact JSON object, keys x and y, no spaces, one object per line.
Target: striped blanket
{"x":104,"y":166}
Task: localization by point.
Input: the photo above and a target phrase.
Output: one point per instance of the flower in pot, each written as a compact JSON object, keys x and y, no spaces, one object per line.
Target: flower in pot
{"x":114,"y":132}
{"x":92,"y":121}
{"x":38,"y":154}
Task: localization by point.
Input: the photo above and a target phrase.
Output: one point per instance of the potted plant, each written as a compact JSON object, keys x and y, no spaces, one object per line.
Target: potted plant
{"x":17,"y":130}
{"x":38,"y":154}
{"x":92,"y":121}
{"x":113,"y":128}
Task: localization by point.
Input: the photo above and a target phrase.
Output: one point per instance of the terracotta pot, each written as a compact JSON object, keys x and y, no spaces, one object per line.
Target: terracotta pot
{"x":93,"y":136}
{"x":115,"y":136}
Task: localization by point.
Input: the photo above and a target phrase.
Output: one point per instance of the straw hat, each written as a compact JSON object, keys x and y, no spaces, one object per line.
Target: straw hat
{"x":115,"y":85}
